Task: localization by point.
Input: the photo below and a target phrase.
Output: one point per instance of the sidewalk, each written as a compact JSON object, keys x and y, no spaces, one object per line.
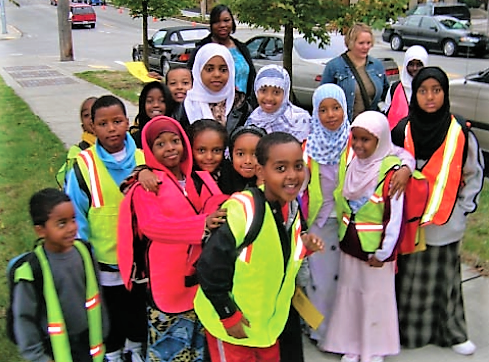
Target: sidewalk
{"x":54,"y":94}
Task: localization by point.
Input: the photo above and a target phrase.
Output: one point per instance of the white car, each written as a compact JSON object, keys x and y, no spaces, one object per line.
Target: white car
{"x":308,"y":61}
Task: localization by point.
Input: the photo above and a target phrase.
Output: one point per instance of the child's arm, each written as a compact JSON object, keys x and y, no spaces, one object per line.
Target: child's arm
{"x":215,"y":270}
{"x":400,"y":178}
{"x":162,"y":228}
{"x":392,"y":230}
{"x":27,"y":326}
{"x":81,"y":204}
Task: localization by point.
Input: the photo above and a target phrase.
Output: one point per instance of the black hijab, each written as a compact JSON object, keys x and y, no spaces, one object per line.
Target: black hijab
{"x":429,"y":129}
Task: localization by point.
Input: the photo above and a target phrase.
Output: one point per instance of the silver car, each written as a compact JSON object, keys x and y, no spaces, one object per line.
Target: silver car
{"x":308,"y":61}
{"x":469,"y":97}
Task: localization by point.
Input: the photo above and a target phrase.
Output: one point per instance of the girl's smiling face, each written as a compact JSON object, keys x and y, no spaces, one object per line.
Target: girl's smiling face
{"x":179,"y":81}
{"x":154,"y":104}
{"x":215,"y":74}
{"x":330,"y":114}
{"x":168,"y":150}
{"x":244,"y":157}
{"x":270,"y":98}
{"x":363,"y":142}
{"x":208,"y":150}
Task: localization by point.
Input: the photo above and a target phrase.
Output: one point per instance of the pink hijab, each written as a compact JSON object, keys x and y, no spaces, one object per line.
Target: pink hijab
{"x":362,"y":174}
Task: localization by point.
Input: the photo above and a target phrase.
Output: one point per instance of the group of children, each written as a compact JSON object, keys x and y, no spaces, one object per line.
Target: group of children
{"x":173,"y":256}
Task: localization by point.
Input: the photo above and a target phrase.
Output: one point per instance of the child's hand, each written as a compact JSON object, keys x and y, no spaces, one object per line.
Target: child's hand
{"x":149,"y":180}
{"x":374,"y":262}
{"x":155,"y":75}
{"x":237,"y":330}
{"x":399,"y":182}
{"x":216,"y":219}
{"x":312,"y":242}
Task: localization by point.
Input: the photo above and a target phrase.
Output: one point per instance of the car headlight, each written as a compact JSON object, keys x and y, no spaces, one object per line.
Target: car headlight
{"x":469,"y":39}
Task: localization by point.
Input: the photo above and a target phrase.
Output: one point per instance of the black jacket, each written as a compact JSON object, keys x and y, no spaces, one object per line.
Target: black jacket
{"x":250,"y":93}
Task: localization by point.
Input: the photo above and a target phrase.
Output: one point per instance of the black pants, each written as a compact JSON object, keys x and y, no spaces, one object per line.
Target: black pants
{"x":290,"y":341}
{"x":127,"y":315}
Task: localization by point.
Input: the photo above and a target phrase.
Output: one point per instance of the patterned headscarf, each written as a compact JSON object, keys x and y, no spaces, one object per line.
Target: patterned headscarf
{"x":325,"y":146}
{"x":198,"y":98}
{"x":288,"y":118}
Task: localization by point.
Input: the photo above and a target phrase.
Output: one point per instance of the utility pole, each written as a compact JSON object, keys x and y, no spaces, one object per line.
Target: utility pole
{"x":64,"y":31}
{"x":4,"y":19}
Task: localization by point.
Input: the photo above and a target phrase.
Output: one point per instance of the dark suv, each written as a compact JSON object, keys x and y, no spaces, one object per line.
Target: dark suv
{"x":459,"y":11}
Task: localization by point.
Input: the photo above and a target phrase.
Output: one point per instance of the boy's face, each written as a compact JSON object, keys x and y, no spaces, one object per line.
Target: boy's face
{"x":208,"y":150}
{"x":244,"y":157}
{"x":270,"y":98}
{"x":110,"y":126}
{"x":86,"y":116}
{"x":168,"y":150}
{"x":60,"y":229}
{"x":284,"y":172}
{"x":179,"y":81}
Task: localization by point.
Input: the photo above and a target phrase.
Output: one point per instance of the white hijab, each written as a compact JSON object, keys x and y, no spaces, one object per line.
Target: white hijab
{"x":362,"y":174}
{"x":198,"y":98}
{"x":416,"y":52}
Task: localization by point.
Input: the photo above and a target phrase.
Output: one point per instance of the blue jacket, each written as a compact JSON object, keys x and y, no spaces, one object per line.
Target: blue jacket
{"x":338,"y":72}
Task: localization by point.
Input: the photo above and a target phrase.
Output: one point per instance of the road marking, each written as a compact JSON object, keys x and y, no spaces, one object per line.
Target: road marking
{"x":99,"y":66}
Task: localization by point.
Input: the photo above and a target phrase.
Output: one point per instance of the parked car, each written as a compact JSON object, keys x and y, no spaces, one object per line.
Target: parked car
{"x":82,"y":15}
{"x":308,"y":61}
{"x":170,"y":46}
{"x":443,"y":33}
{"x":457,"y":10}
{"x":469,"y":97}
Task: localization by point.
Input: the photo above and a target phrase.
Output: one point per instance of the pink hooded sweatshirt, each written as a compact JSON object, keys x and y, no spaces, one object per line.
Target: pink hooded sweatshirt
{"x":174,"y":223}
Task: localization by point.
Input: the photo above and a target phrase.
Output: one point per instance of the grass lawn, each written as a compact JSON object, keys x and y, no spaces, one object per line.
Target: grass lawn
{"x":31,"y":155}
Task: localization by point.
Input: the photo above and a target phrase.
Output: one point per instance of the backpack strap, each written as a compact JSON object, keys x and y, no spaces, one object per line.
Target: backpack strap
{"x":209,"y":182}
{"x":393,"y":87}
{"x":82,"y":183}
{"x":363,"y":91}
{"x":257,"y":222}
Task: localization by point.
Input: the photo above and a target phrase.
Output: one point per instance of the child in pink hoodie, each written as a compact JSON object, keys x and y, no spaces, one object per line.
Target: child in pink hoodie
{"x":173,"y":223}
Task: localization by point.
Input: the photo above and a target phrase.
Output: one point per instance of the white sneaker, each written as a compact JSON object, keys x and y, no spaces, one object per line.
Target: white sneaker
{"x":350,"y":358}
{"x":466,"y":348}
{"x":377,"y":359}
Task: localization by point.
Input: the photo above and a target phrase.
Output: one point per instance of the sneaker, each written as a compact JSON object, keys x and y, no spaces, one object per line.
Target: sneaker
{"x":466,"y":348}
{"x":350,"y":358}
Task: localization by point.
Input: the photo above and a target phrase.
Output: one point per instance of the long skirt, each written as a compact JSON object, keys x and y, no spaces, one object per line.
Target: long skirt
{"x":429,"y":297}
{"x":364,"y":318}
{"x":324,"y":269}
{"x":175,"y":337}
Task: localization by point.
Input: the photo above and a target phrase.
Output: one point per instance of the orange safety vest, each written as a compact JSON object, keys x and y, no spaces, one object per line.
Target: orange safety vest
{"x":399,"y":106}
{"x":443,"y":172}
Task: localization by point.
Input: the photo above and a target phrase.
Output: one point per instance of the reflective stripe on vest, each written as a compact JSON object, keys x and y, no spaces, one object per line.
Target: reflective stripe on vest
{"x":249,"y":209}
{"x":96,"y":190}
{"x":56,"y":325}
{"x":443,"y":172}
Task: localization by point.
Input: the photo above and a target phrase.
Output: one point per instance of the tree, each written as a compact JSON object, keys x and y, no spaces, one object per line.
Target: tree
{"x":155,"y":8}
{"x":312,"y":18}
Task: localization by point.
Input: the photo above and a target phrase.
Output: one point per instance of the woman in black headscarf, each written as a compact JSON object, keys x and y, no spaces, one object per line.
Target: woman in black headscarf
{"x":429,"y":293}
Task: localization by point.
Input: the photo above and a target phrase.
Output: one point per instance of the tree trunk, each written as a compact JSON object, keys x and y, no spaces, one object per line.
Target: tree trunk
{"x":64,"y":31}
{"x":288,"y":43}
{"x":145,"y":34}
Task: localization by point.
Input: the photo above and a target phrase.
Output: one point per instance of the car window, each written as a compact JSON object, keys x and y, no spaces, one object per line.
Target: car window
{"x":193,"y":35}
{"x":412,"y":21}
{"x":81,"y":10}
{"x":253,"y":46}
{"x":158,"y":37}
{"x":312,"y":51}
{"x":427,"y":23}
{"x":422,"y":10}
{"x":274,"y":47}
{"x":174,"y":37}
{"x":460,"y":12}
{"x":453,"y":24}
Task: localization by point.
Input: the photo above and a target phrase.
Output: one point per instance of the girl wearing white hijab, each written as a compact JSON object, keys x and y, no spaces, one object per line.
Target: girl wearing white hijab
{"x":282,"y":115}
{"x":213,"y":93}
{"x":396,"y":105}
{"x":364,"y":324}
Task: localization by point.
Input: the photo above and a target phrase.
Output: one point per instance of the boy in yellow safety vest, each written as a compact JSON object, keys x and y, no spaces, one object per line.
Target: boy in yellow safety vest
{"x":65,"y":322}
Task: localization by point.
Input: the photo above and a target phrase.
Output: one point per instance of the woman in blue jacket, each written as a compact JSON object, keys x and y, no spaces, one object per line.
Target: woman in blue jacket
{"x":361,"y":76}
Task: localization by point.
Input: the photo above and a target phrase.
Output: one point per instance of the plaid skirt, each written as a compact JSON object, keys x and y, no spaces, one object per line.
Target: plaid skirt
{"x":175,"y":337}
{"x":429,"y":297}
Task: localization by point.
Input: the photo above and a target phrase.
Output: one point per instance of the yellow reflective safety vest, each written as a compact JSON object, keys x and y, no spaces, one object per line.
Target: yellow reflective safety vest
{"x":261,"y":289}
{"x":369,"y":218}
{"x":58,"y":335}
{"x":105,"y":200}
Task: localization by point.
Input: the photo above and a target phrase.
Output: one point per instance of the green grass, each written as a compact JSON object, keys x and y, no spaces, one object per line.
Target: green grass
{"x":30,"y":157}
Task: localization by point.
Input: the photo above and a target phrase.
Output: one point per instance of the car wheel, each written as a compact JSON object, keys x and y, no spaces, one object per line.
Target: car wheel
{"x":396,"y":43}
{"x":449,"y":48}
{"x":136,"y":56}
{"x":92,"y":26}
{"x":165,"y":66}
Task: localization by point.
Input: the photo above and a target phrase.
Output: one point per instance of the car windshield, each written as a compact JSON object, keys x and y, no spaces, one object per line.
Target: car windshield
{"x":453,"y":24}
{"x":193,"y":35}
{"x":312,"y":51}
{"x":82,"y":10}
